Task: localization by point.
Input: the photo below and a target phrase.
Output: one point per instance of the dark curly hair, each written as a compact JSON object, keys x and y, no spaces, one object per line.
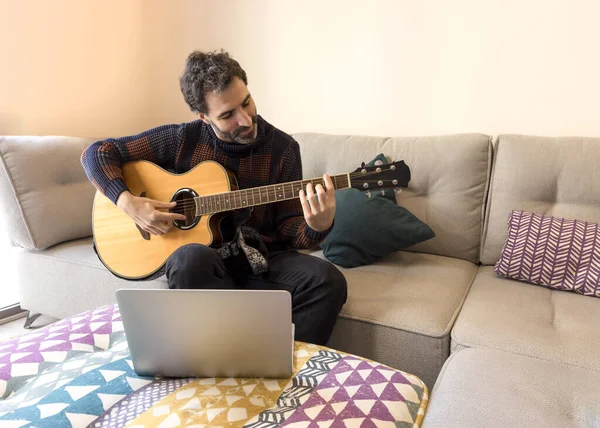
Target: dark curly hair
{"x":207,"y":72}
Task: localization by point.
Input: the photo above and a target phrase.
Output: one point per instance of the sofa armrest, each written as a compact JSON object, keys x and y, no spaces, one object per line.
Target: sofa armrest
{"x":45,"y":196}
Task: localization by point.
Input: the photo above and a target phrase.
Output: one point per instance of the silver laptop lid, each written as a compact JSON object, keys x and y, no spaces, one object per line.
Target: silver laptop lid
{"x":208,"y":333}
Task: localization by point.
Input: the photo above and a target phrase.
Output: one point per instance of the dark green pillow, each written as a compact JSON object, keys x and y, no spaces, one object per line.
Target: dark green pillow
{"x":367,"y":229}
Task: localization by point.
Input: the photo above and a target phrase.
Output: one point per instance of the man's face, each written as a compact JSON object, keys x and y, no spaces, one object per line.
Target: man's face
{"x":232,"y":113}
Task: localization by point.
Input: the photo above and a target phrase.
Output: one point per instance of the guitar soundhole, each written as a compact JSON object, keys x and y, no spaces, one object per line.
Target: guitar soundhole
{"x":186,"y":205}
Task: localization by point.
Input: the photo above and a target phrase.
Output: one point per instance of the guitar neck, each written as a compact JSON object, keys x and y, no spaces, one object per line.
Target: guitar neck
{"x":237,"y":199}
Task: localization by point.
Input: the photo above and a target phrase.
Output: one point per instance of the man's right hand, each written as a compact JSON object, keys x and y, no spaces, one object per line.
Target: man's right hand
{"x":145,"y":212}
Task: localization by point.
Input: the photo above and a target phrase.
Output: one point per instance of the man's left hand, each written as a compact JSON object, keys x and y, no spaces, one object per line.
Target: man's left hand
{"x":319,"y":207}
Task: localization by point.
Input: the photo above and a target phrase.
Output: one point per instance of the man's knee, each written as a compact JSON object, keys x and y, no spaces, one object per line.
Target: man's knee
{"x":193,"y":254}
{"x":331,"y":282}
{"x":338,"y":285}
{"x":190,"y":262}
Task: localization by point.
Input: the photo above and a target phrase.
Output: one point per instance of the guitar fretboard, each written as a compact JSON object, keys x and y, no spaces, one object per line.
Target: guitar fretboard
{"x":237,"y":199}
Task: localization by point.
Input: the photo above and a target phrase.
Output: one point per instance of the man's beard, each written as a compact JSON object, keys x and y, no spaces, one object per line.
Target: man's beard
{"x":238,"y":134}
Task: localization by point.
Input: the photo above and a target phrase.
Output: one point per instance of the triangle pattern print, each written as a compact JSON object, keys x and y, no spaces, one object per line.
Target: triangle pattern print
{"x":554,"y":252}
{"x":328,"y":388}
{"x":82,"y":400}
{"x":23,"y":359}
{"x":228,"y":401}
{"x":362,"y":393}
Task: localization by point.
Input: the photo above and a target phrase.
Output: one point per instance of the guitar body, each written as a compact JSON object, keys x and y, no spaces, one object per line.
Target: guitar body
{"x":130,"y":253}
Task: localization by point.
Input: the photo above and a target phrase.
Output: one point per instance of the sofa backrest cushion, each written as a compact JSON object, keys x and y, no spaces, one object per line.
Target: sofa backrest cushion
{"x":45,"y":195}
{"x":447,"y":188}
{"x":557,"y":177}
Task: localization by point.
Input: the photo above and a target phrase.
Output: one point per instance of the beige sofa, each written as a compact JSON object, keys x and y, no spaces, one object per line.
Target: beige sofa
{"x":409,"y":310}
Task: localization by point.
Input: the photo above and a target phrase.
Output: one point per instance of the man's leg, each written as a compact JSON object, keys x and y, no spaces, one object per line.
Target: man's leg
{"x":197,"y":266}
{"x":317,"y":287}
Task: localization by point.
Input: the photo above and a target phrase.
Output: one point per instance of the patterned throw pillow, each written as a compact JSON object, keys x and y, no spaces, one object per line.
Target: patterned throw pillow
{"x":553,"y":252}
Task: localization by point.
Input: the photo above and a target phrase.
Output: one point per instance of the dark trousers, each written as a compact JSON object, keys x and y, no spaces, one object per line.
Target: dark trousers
{"x":317,"y":287}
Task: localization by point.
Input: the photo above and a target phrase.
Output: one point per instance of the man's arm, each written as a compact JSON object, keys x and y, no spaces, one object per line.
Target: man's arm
{"x":102,"y":162}
{"x":290,"y":218}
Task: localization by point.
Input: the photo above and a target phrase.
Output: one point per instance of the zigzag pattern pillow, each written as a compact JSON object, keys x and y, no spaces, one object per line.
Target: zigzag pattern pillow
{"x":553,"y":252}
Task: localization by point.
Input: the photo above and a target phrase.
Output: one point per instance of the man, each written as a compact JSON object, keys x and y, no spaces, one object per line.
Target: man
{"x":230,"y":131}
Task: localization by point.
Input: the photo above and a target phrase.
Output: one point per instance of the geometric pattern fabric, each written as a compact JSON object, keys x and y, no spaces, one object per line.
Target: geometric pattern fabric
{"x":99,"y":388}
{"x":25,"y":357}
{"x":554,"y":252}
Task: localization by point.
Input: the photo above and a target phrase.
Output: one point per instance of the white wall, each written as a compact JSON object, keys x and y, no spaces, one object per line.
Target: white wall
{"x":401,"y":67}
{"x":383,"y":67}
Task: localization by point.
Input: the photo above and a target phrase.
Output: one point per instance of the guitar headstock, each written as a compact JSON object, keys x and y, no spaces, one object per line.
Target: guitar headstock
{"x":395,"y":174}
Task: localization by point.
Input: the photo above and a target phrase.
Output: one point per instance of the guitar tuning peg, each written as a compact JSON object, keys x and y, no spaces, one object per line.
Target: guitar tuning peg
{"x":368,"y":193}
{"x":397,"y":190}
{"x":362,"y":165}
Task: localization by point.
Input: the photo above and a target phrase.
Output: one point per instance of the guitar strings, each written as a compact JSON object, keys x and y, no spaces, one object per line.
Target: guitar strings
{"x":191,"y":203}
{"x":181,"y":207}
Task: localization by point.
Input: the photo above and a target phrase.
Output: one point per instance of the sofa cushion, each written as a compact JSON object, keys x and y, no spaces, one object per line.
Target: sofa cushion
{"x":518,"y":317}
{"x":69,"y":278}
{"x":494,"y":389}
{"x":400,"y":310}
{"x":368,"y":228}
{"x":42,"y":178}
{"x":554,"y":252}
{"x":447,"y":187}
{"x":553,"y":176}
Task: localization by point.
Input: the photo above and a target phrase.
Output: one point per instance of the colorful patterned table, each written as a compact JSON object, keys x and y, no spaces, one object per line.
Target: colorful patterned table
{"x":78,"y":373}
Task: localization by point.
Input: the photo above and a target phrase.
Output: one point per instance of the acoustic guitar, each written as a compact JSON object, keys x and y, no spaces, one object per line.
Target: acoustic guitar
{"x":206,"y":195}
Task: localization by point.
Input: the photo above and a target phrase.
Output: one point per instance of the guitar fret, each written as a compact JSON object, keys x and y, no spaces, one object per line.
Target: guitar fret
{"x":237,"y":199}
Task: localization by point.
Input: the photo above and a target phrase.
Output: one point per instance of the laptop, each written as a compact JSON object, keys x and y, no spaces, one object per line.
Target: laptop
{"x":209,"y":333}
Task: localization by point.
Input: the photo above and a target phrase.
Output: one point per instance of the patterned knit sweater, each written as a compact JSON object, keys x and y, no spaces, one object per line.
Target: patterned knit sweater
{"x":273,"y":158}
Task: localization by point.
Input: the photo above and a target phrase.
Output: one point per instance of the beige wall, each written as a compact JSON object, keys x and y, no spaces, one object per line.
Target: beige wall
{"x":397,"y":67}
{"x":72,"y":67}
